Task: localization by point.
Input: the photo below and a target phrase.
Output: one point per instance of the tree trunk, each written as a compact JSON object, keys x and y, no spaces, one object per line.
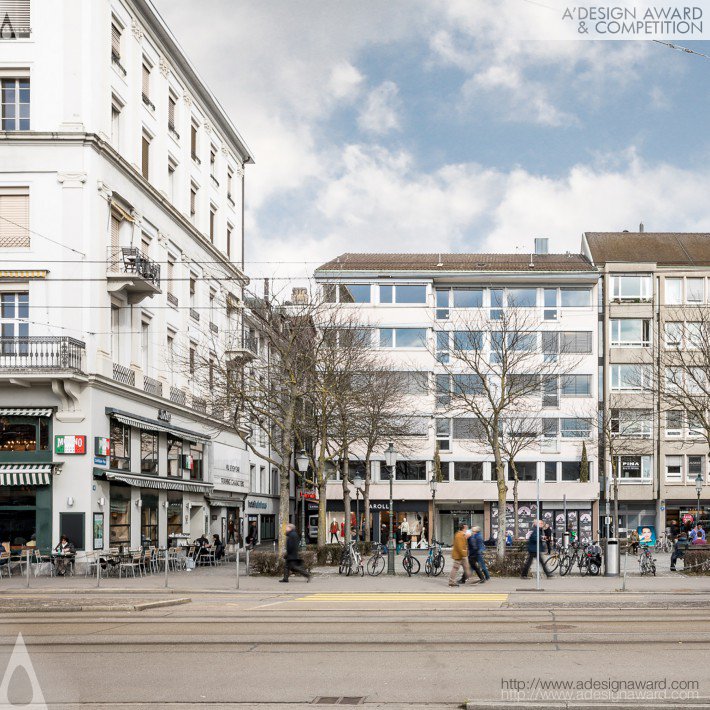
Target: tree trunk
{"x":285,"y":477}
{"x":366,"y":496}
{"x":516,"y":522}
{"x":615,"y":483}
{"x":346,"y":495}
{"x":502,"y":511}
{"x":323,"y":531}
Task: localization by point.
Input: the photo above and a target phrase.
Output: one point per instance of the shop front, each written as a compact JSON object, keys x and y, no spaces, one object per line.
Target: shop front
{"x":686,"y":514}
{"x":574,"y":516}
{"x":450,"y":517}
{"x":262,"y":514}
{"x":230,"y":489}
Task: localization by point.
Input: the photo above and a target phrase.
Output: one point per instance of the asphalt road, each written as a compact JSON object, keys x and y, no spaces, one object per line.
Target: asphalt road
{"x":422,"y":650}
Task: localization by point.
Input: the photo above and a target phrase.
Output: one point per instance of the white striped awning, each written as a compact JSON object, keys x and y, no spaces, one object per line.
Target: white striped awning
{"x":162,"y":484}
{"x":25,"y":412}
{"x":25,"y":474}
{"x":151,"y":425}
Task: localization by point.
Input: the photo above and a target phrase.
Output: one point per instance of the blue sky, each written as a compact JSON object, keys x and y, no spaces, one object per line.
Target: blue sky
{"x":424,"y":125}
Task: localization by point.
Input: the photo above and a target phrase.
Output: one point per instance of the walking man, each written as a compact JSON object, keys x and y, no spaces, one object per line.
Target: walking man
{"x":476,"y":548}
{"x":679,"y":548}
{"x":459,"y":555}
{"x":533,"y":551}
{"x":293,"y":562}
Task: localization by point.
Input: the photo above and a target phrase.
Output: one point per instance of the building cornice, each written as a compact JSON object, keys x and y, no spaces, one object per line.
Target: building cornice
{"x":450,"y":276}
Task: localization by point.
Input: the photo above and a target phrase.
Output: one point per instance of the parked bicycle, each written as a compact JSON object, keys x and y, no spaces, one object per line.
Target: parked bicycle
{"x":351,"y":560}
{"x":664,"y":544}
{"x":647,"y":562}
{"x":553,"y":559}
{"x":410,"y":562}
{"x":591,"y":559}
{"x":435,"y":561}
{"x":376,"y":563}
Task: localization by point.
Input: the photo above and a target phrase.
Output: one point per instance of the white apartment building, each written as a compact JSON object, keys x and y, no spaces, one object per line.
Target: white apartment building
{"x":412,"y":303}
{"x":121,"y":240}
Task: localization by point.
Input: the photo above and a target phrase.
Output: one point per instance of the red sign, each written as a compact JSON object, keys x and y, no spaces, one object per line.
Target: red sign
{"x":309,"y":495}
{"x":688,"y":518}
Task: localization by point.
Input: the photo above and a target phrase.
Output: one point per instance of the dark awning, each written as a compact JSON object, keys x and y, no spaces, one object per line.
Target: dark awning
{"x":154,"y":425}
{"x":156,"y":482}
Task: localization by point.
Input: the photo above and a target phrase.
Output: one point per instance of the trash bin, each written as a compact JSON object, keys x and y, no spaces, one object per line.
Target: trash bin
{"x":565,"y":540}
{"x":611,"y":557}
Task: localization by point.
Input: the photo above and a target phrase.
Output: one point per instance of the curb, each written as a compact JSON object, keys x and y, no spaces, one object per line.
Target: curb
{"x":96,"y":607}
{"x":582,"y":705}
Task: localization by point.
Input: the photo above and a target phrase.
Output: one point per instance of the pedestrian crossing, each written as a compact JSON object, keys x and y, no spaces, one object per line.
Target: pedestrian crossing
{"x":399,"y":597}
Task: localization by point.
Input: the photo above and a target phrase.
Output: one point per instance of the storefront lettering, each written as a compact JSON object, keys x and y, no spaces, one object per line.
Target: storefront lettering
{"x":225,"y":481}
{"x":164,"y":415}
{"x":256,"y":504}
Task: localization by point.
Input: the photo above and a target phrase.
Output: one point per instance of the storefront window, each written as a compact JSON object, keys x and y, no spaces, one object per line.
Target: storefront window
{"x":410,"y":471}
{"x":196,"y":451}
{"x":468,"y":471}
{"x":174,"y":452}
{"x":149,"y":452}
{"x":17,"y":514}
{"x":120,"y":516}
{"x":149,"y":519}
{"x":268,"y":527}
{"x":120,"y":446}
{"x":174,"y":513}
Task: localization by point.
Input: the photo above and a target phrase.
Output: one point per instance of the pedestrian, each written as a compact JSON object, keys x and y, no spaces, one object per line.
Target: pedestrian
{"x":459,"y":555}
{"x":292,"y":562}
{"x":634,"y":542}
{"x":681,"y":545}
{"x":251,"y":536}
{"x":509,"y":539}
{"x":475,"y":555}
{"x":674,"y":530}
{"x":533,"y":551}
{"x":547,"y":536}
{"x":218,"y":547}
{"x":398,"y":539}
{"x":334,"y":531}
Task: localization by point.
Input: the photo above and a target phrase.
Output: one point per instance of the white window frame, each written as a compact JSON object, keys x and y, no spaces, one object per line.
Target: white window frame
{"x":645,"y":288}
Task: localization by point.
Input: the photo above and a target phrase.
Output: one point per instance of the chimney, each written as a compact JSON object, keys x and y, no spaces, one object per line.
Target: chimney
{"x":299,"y":295}
{"x":641,"y":227}
{"x":266,"y":290}
{"x":541,"y":245}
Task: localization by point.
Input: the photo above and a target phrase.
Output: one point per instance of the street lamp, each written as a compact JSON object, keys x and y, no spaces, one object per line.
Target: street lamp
{"x":433,"y":484}
{"x":358,"y":483}
{"x":391,"y":461}
{"x":698,"y":491}
{"x":302,"y":466}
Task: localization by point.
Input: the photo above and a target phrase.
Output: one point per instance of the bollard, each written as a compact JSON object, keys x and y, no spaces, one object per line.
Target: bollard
{"x":28,"y":568}
{"x":626,"y":559}
{"x":246,"y":562}
{"x":237,"y":566}
{"x":98,"y":570}
{"x":167,"y":557}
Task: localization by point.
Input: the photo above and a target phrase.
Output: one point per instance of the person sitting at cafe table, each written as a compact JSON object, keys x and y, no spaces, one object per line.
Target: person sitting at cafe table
{"x":202,"y":544}
{"x":65,"y":552}
{"x":218,"y":547}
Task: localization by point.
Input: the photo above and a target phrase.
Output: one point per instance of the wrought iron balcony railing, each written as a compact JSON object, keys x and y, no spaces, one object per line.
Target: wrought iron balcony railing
{"x":34,"y":353}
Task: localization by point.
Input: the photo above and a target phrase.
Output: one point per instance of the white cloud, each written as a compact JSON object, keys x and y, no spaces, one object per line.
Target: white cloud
{"x":380,"y":114}
{"x":345,"y":81}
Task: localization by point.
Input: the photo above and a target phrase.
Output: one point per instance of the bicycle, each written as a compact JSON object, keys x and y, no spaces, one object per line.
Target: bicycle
{"x":647,"y":563}
{"x":569,"y":558}
{"x":435,"y":561}
{"x":591,"y":560}
{"x":354,"y":561}
{"x":344,"y":563}
{"x":664,"y":544}
{"x":554,"y":558}
{"x":376,"y":563}
{"x":409,"y":562}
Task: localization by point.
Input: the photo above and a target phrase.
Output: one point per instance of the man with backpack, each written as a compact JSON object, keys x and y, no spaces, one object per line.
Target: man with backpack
{"x":476,"y":547}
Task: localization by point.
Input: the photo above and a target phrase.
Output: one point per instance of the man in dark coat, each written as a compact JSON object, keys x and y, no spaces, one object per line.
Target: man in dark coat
{"x":293,"y":562}
{"x":533,"y":551}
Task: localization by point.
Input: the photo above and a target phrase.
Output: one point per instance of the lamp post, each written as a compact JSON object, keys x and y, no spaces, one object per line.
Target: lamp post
{"x":433,"y":483}
{"x":357,"y":482}
{"x":302,"y":466}
{"x":391,"y":461}
{"x":698,"y":491}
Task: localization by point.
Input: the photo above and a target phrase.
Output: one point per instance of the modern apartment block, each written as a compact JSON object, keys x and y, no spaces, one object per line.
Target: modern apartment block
{"x":121,"y":239}
{"x":412,"y":303}
{"x":651,"y":283}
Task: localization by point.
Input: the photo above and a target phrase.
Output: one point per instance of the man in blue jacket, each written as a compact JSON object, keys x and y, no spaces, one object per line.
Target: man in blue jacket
{"x":476,"y":546}
{"x":533,"y":551}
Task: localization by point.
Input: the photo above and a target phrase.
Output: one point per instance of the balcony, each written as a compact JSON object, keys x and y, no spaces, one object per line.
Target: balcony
{"x":214,"y":328}
{"x":133,"y":273}
{"x":124,"y":375}
{"x":148,"y":102}
{"x":242,"y":350}
{"x":36,"y":357}
{"x":194,"y":315}
{"x":199,"y":404}
{"x":172,"y":299}
{"x":178,"y":396}
{"x":152,"y":386}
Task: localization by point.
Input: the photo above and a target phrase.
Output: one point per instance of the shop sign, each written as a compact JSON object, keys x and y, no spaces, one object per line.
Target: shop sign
{"x":186,"y":461}
{"x":100,"y":461}
{"x":227,"y":481}
{"x":379,"y":506}
{"x":164,"y":415}
{"x":69,"y":444}
{"x":308,"y":495}
{"x":260,"y":504}
{"x":102,"y":446}
{"x":687,"y":518}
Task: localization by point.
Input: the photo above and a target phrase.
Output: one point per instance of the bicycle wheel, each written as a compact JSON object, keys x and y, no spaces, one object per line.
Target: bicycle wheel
{"x":375,"y":565}
{"x":361,"y":568}
{"x":407,"y":564}
{"x":553,"y":562}
{"x":439,"y":564}
{"x":565,"y":565}
{"x":593,"y":569}
{"x":415,"y":565}
{"x":428,"y":567}
{"x":344,"y":564}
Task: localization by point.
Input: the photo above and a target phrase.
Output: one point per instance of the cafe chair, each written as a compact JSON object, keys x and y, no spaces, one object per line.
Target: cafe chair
{"x":133,"y":563}
{"x":42,"y":564}
{"x":5,"y":564}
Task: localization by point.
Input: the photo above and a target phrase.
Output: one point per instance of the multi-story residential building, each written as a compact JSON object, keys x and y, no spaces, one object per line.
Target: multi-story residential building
{"x":411,"y":303}
{"x":121,"y":234}
{"x":650,"y":283}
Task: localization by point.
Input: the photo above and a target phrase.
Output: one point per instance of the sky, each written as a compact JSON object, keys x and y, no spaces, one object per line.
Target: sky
{"x":438,"y":125}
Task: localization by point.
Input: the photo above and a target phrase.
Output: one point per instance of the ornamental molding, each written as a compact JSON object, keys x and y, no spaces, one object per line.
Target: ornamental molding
{"x":164,"y":67}
{"x":136,"y":30}
{"x":187,"y":98}
{"x":69,"y":179}
{"x":208,"y":126}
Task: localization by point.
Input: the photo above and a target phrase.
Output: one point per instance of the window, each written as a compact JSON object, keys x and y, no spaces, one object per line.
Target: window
{"x":116,"y":333}
{"x":630,"y":332}
{"x":171,"y":180}
{"x":213,"y":163}
{"x":443,"y":300}
{"x":194,"y":128}
{"x":196,"y":454}
{"x":674,"y":291}
{"x":354,"y":293}
{"x":174,"y":513}
{"x":402,"y":337}
{"x":550,"y":395}
{"x":174,"y":453}
{"x":230,"y":178}
{"x":116,"y":33}
{"x":468,"y":471}
{"x":149,"y":452}
{"x":674,"y":334}
{"x":15,"y":18}
{"x":550,"y":427}
{"x":576,"y":342}
{"x":571,"y":470}
{"x":468,"y":297}
{"x":410,"y":471}
{"x":442,"y":346}
{"x":14,"y":314}
{"x":120,"y":516}
{"x":674,"y":422}
{"x":695,"y":290}
{"x":634,"y":468}
{"x":213,"y":217}
{"x":631,"y":422}
{"x":468,"y":340}
{"x":443,"y":390}
{"x":443,"y":434}
{"x":630,"y":377}
{"x":551,"y":304}
{"x":414,"y":382}
{"x":145,"y":156}
{"x":674,"y":469}
{"x":16,"y":104}
{"x":632,"y":288}
{"x":262,"y":479}
{"x":149,"y":519}
{"x":21,"y":434}
{"x":550,"y":472}
{"x":468,"y":429}
{"x":575,"y":297}
{"x":696,"y":428}
{"x":145,"y":85}
{"x":192,"y":359}
{"x":402,"y":294}
{"x":695,"y":467}
{"x":576,"y":385}
{"x":496,"y":312}
{"x":575,"y":428}
{"x":527,"y":471}
{"x":116,"y":109}
{"x":413,"y":425}
{"x":172,"y":105}
{"x":193,"y":202}
{"x":467,"y":385}
{"x":550,"y":346}
{"x":229,"y":241}
{"x":522,"y":297}
{"x":120,"y":446}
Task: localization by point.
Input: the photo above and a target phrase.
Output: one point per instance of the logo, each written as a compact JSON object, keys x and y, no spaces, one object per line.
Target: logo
{"x":69,"y":444}
{"x":164,"y":415}
{"x":21,"y":659}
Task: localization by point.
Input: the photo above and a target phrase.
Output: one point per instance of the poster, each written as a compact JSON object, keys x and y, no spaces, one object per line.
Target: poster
{"x":647,"y":535}
{"x":98,"y":531}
